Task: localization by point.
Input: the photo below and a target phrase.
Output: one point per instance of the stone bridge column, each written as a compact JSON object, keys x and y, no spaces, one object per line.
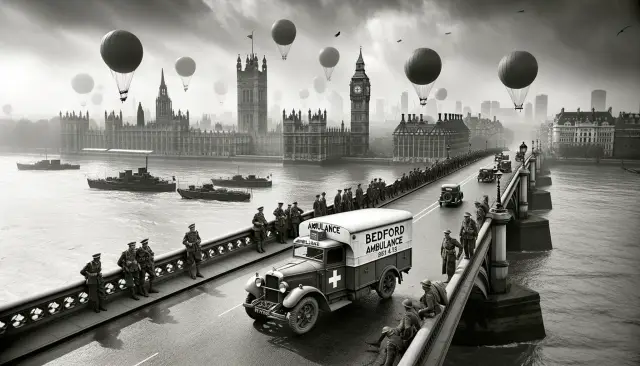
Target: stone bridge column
{"x":499,"y":266}
{"x":523,"y":205}
{"x":532,"y":170}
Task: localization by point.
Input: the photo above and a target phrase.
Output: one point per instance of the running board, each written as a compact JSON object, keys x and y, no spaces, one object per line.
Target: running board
{"x":339,"y":304}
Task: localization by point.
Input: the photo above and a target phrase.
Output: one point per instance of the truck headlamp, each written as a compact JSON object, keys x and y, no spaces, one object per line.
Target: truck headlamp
{"x":259,"y":282}
{"x":283,"y":287}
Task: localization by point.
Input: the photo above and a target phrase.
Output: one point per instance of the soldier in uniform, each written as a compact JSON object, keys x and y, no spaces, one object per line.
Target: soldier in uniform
{"x":345,"y":200}
{"x":485,"y":203}
{"x":317,"y":207}
{"x":480,"y":214}
{"x":359,"y":197}
{"x":192,"y":242}
{"x":337,"y":202}
{"x":394,"y":347}
{"x":369,"y":198}
{"x":92,"y":273}
{"x":131,"y":269}
{"x":281,"y":223}
{"x":287,"y":213}
{"x":145,"y":257}
{"x":259,"y":229}
{"x":448,"y":254}
{"x":408,"y":326}
{"x":468,"y":235}
{"x":434,"y":295}
{"x":323,"y":203}
{"x":296,"y":219}
{"x":350,"y":199}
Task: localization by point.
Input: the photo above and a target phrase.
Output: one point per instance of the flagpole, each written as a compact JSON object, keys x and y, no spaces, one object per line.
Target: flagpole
{"x":252,"y":44}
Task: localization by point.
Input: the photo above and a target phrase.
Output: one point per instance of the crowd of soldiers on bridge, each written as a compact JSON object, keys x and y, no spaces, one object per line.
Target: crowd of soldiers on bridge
{"x":138,"y":264}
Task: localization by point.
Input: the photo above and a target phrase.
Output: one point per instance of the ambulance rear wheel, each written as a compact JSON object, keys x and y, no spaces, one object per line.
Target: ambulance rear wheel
{"x":303,"y":317}
{"x":251,"y":312}
{"x":387,"y":285}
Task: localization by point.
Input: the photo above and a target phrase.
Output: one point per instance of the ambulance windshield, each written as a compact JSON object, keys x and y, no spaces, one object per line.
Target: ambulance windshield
{"x":302,"y":251}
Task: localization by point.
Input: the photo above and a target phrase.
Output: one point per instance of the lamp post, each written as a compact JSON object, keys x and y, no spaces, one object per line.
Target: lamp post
{"x":469,"y":148}
{"x":486,"y":144}
{"x":522,"y":151}
{"x":538,"y":143}
{"x":498,"y":174}
{"x":533,"y":144}
{"x":448,"y":148}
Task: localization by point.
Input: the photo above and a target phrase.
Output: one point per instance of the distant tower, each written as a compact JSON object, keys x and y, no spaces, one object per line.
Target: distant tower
{"x":252,"y":95}
{"x":599,"y":100}
{"x":164,"y":108}
{"x":360,"y":95}
{"x":485,"y":109}
{"x":404,"y":102}
{"x":495,"y":106}
{"x":528,"y":112}
{"x":540,"y":113}
{"x":140,"y":120}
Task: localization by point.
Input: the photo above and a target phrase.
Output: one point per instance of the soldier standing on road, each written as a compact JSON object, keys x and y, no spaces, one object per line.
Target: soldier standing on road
{"x":281,"y":223}
{"x":289,"y":228}
{"x":337,"y":202}
{"x":480,"y":214}
{"x":345,"y":200}
{"x":92,"y":273}
{"x":359,"y":197}
{"x":369,"y":199}
{"x":131,"y":269}
{"x":317,"y":207}
{"x":323,"y":203}
{"x":145,"y":257}
{"x":350,"y":202}
{"x":259,"y":229}
{"x":468,"y":235}
{"x":296,"y":219}
{"x":192,"y":242}
{"x":449,"y":256}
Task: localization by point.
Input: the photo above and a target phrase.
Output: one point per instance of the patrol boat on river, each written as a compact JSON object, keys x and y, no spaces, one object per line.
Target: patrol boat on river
{"x":47,"y":164}
{"x":239,"y":181}
{"x":142,"y":181}
{"x":208,"y":192}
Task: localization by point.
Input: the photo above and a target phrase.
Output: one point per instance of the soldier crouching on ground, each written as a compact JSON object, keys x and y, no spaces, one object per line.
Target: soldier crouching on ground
{"x":281,"y":223}
{"x":145,"y":257}
{"x":394,"y":346}
{"x":296,"y":219}
{"x":92,"y":272}
{"x":448,"y":253}
{"x":408,"y":326}
{"x":192,"y":242}
{"x":131,"y":269}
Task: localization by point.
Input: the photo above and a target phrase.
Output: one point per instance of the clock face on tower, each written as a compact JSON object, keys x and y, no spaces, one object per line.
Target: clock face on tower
{"x":357,"y":89}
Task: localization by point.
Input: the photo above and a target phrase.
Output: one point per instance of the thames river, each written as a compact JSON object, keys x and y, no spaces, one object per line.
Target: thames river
{"x":51,"y":223}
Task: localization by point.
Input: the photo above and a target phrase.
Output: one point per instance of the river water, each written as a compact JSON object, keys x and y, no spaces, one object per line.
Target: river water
{"x":589,"y":283}
{"x":51,"y":223}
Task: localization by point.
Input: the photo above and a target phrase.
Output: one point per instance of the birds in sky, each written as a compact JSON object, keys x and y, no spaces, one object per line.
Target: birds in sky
{"x":520,"y":11}
{"x":398,"y":41}
{"x":622,"y":30}
{"x":337,"y":34}
{"x":448,"y":33}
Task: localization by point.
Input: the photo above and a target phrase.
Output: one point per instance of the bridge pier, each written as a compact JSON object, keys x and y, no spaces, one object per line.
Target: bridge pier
{"x":511,"y":312}
{"x":539,"y":199}
{"x":543,"y":178}
{"x":527,"y":232}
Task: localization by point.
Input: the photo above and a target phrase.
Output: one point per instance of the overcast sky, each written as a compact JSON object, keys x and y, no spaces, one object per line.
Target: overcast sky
{"x":44,"y":43}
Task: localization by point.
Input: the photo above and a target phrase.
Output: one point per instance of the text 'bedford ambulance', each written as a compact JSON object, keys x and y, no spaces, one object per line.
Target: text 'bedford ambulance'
{"x":384,"y":239}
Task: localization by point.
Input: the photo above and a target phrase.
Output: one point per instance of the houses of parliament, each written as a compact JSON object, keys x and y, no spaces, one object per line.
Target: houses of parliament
{"x":170,"y":133}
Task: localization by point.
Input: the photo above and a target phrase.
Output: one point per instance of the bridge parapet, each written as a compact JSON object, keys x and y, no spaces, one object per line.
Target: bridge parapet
{"x":34,"y":311}
{"x":487,"y":268}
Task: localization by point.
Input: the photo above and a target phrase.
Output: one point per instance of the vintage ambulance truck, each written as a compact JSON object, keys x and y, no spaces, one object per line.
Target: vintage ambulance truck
{"x":336,"y":260}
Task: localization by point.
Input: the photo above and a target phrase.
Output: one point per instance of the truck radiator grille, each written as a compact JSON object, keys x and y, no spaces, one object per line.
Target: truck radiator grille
{"x":272,"y":282}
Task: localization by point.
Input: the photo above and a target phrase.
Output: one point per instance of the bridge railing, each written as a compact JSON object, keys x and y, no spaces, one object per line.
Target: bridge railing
{"x":431,"y":343}
{"x":57,"y":303}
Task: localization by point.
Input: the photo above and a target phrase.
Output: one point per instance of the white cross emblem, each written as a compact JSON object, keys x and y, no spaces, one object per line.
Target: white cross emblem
{"x":335,"y":279}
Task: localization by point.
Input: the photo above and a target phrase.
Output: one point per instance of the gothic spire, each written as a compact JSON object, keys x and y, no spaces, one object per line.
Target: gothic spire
{"x":162,"y":84}
{"x":360,"y":62}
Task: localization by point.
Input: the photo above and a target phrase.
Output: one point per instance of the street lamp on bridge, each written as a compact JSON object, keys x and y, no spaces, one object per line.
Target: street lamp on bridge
{"x":448,"y":149}
{"x":469,"y":148}
{"x":533,"y":145}
{"x":486,"y":144}
{"x":538,"y":142}
{"x":498,"y":175}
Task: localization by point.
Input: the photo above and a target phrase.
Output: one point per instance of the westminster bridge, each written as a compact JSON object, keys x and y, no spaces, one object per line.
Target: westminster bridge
{"x":202,"y":322}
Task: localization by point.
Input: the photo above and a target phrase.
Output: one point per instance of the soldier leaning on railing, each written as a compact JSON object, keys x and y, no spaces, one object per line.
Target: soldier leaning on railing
{"x":259,"y":229}
{"x":131,"y":269}
{"x":145,"y":257}
{"x":92,"y":273}
{"x":280,"y":223}
{"x":296,"y":218}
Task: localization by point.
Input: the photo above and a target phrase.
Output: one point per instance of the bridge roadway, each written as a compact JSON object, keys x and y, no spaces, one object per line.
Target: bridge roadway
{"x":208,"y":326}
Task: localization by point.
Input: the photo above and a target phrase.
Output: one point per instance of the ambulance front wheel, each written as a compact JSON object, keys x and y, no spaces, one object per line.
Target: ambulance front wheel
{"x":303,"y":317}
{"x":387,"y":284}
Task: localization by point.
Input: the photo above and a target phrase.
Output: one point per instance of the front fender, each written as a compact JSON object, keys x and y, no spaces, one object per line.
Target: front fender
{"x":251,"y":287}
{"x":392,"y":269}
{"x":295,"y":295}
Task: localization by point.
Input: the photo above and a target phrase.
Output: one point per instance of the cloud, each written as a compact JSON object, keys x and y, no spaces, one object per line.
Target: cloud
{"x":574,"y":41}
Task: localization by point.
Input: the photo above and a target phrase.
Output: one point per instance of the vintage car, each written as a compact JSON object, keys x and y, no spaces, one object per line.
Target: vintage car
{"x":450,"y":194}
{"x":505,"y":166}
{"x":498,"y":157}
{"x":486,"y":175}
{"x":337,"y":259}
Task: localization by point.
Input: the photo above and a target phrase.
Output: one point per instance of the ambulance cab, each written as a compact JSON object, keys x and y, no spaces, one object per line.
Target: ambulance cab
{"x":337,"y":259}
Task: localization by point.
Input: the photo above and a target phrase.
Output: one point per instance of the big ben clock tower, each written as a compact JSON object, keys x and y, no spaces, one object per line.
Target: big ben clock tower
{"x":360,"y":94}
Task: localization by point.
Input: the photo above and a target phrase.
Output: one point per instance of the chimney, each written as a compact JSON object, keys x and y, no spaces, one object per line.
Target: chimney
{"x":414,"y":117}
{"x":421,"y":120}
{"x":402,"y":118}
{"x":578,"y":109}
{"x":439,"y":116}
{"x":479,"y":115}
{"x":593,"y":110}
{"x":609,"y":110}
{"x":494,"y":119}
